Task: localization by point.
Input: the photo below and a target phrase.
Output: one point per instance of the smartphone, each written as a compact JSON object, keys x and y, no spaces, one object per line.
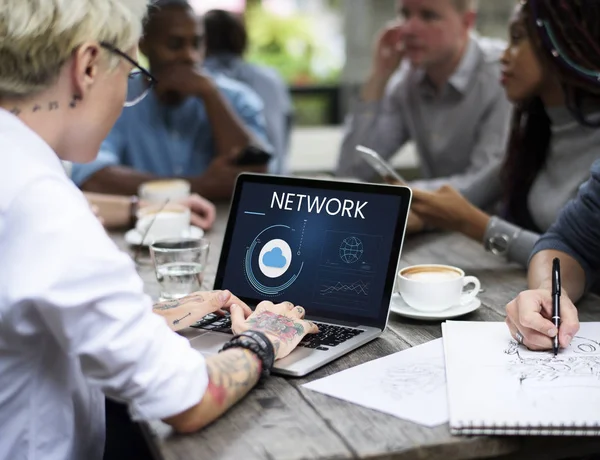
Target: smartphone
{"x":382,"y":167}
{"x":252,"y":156}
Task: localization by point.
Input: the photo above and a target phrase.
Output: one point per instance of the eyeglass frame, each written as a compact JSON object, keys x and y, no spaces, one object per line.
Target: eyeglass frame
{"x":152,"y":80}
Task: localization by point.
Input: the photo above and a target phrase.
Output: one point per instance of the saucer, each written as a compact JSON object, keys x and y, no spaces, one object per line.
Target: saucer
{"x":399,"y":306}
{"x":134,"y":238}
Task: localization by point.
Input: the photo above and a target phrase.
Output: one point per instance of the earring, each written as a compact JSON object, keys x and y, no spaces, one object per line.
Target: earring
{"x":74,"y":101}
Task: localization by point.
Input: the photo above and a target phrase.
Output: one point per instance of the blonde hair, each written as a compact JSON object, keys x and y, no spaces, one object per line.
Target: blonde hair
{"x":465,"y":5}
{"x":37,"y":37}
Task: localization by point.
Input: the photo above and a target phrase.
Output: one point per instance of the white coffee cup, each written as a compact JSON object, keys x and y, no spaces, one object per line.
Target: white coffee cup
{"x":433,"y":288}
{"x":159,"y":191}
{"x":169,"y":222}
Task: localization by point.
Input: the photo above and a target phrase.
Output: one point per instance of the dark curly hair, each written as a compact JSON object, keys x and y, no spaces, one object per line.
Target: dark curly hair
{"x":566,"y":37}
{"x":225,"y":33}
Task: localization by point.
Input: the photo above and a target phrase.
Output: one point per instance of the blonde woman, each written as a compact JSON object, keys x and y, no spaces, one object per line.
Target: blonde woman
{"x":75,"y":325}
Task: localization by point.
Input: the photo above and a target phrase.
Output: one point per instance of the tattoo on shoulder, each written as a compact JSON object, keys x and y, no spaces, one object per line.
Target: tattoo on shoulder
{"x":282,"y":327}
{"x":15,"y":111}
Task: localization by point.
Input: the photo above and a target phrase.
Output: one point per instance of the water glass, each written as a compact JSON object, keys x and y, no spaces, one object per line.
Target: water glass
{"x":179,"y":264}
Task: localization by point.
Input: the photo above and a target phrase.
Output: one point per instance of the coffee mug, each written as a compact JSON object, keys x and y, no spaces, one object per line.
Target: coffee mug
{"x":159,"y":191}
{"x":159,"y":222}
{"x":433,"y":288}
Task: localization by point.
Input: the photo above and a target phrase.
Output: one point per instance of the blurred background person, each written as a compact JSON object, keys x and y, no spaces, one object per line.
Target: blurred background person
{"x":226,"y":44}
{"x":191,"y":125}
{"x":555,"y":135}
{"x":435,"y":82}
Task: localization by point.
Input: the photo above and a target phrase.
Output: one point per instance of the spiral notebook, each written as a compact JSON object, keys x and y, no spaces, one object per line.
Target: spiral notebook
{"x":496,"y":386}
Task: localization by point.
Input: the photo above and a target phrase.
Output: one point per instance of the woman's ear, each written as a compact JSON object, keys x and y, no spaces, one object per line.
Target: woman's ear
{"x":85,"y":69}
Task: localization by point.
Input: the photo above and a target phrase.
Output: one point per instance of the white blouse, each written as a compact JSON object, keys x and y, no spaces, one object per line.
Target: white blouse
{"x":75,"y":324}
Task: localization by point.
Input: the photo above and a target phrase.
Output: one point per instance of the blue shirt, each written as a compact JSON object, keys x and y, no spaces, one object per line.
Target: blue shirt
{"x":172,"y":140}
{"x":274,"y":94}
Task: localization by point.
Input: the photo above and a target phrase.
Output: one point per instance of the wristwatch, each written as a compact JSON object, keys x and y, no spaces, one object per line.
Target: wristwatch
{"x":498,"y":244}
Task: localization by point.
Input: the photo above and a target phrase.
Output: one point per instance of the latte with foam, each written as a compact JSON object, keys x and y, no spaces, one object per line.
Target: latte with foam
{"x":434,"y":288}
{"x":162,"y":190}
{"x":429,"y":274}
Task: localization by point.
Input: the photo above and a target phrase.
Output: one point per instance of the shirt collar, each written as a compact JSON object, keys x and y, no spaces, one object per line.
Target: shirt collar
{"x":461,"y":77}
{"x":29,"y":140}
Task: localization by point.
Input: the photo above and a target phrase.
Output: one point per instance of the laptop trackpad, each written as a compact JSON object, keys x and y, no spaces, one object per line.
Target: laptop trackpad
{"x":210,"y":343}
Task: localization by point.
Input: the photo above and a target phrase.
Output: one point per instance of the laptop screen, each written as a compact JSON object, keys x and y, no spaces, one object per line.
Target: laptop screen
{"x":331,"y":247}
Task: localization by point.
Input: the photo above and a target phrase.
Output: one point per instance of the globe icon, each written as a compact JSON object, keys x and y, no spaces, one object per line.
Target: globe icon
{"x":351,"y":250}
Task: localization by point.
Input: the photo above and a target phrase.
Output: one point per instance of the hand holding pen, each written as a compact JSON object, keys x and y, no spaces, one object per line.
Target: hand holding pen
{"x":543,"y":318}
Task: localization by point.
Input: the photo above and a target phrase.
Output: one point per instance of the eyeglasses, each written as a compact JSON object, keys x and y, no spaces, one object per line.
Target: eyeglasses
{"x":140,"y":80}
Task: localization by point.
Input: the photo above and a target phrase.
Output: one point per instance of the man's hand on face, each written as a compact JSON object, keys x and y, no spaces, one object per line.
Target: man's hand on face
{"x":183,"y":80}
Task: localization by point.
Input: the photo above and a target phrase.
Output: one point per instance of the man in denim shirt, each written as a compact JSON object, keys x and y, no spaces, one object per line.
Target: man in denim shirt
{"x":190,"y":126}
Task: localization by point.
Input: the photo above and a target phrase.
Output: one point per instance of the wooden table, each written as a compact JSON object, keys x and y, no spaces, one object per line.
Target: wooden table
{"x":282,"y":420}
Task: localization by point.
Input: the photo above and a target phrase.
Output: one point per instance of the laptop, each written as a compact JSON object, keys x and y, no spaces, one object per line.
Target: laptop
{"x":331,"y":247}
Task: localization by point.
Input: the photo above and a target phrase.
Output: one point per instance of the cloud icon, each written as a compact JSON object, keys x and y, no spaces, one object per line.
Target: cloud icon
{"x":274,"y":258}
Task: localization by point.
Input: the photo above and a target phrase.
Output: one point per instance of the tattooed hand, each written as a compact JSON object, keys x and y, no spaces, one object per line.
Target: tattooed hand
{"x":184,"y":312}
{"x":282,"y":323}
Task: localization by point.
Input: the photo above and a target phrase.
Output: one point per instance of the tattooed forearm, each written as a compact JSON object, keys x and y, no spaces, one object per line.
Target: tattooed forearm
{"x":282,"y":327}
{"x":231,"y":375}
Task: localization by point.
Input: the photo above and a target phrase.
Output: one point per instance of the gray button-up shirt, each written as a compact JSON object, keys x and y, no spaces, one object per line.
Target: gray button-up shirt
{"x":459,"y":132}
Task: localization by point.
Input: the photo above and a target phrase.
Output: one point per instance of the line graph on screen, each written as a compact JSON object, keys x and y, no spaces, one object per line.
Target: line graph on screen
{"x":356,"y":288}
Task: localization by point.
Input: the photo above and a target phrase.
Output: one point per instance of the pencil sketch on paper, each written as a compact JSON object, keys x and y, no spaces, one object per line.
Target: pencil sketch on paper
{"x":582,"y":363}
{"x":399,"y":382}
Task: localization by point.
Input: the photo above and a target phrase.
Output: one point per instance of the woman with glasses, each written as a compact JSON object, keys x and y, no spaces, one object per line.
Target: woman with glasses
{"x":75,"y":325}
{"x":551,"y":72}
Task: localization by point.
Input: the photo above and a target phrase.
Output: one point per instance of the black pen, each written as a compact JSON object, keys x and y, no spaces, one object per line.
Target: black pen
{"x":555,"y":301}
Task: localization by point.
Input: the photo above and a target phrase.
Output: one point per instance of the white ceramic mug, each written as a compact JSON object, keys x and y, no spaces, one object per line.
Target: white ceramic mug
{"x":159,"y":191}
{"x":169,"y":222}
{"x":434,"y":287}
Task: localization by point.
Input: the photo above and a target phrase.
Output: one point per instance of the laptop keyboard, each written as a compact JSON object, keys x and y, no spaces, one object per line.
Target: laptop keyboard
{"x":328,"y":336}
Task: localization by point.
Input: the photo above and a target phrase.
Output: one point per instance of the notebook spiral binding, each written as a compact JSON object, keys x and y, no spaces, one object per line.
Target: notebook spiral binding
{"x":475,"y":427}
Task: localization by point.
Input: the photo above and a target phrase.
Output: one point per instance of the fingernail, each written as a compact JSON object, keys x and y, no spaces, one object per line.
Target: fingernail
{"x":233,"y":307}
{"x":568,"y":338}
{"x":552,"y":332}
{"x":223,"y":296}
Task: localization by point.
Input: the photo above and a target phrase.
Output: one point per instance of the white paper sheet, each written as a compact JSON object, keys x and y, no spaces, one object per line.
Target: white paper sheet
{"x":410,"y":384}
{"x":495,"y":382}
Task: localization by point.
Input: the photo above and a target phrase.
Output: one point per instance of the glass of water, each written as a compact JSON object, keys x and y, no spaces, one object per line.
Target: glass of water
{"x":179,"y":264}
